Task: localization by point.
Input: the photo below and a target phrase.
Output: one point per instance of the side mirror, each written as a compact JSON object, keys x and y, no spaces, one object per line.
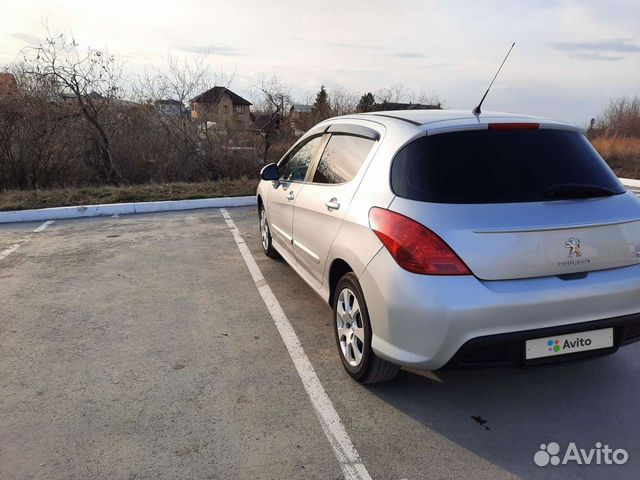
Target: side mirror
{"x":270,"y":172}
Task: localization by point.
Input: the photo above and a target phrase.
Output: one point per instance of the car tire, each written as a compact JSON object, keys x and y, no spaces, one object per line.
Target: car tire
{"x":265,"y":235}
{"x":352,"y":330}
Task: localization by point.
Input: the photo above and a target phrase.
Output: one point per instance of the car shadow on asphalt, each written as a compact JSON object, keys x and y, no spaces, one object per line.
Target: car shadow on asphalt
{"x":504,"y":415}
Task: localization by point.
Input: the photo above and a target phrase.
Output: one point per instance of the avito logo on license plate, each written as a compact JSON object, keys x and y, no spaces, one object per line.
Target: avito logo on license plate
{"x":574,"y":342}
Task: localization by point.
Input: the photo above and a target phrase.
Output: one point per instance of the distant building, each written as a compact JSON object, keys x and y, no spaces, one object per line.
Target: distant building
{"x":171,"y":108}
{"x":95,"y":98}
{"x":298,"y":109}
{"x":222,"y":106}
{"x":387,"y":106}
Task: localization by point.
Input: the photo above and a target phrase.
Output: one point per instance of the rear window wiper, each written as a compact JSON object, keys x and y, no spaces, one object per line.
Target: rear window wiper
{"x":577,"y":190}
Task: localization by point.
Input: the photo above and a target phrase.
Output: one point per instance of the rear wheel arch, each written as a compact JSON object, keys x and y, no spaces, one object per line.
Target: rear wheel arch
{"x":261,"y":204}
{"x":265,"y":231}
{"x":353,"y":334}
{"x":338,"y":269}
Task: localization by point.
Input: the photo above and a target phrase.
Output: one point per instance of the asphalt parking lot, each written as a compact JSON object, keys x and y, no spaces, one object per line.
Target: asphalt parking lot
{"x":139,"y":347}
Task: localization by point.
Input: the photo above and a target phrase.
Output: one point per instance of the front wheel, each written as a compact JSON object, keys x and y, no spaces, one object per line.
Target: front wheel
{"x":265,"y":235}
{"x":353,"y":334}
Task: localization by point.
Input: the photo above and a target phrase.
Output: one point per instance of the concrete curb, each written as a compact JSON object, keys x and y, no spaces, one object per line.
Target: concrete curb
{"x":85,"y":211}
{"x":630,"y":182}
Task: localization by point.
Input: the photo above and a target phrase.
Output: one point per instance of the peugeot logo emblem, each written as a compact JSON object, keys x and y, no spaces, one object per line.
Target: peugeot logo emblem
{"x":573,"y":244}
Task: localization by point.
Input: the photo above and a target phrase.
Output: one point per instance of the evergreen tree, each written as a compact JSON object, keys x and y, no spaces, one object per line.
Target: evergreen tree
{"x":321,"y":106}
{"x":366,"y":103}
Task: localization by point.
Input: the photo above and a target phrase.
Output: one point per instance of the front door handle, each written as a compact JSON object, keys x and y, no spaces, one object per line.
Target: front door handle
{"x":290,"y":196}
{"x":332,"y":204}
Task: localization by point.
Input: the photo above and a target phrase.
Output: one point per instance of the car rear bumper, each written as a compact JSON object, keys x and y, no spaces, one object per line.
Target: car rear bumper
{"x":507,"y":349}
{"x":432,"y":321}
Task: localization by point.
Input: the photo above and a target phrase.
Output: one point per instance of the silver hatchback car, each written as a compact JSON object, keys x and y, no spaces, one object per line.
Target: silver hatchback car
{"x":450,"y":239}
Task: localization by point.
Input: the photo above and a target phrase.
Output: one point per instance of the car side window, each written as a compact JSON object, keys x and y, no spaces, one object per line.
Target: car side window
{"x":342,"y":158}
{"x":295,"y":167}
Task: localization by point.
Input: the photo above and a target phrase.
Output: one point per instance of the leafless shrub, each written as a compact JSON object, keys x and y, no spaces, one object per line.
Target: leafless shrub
{"x":38,"y":145}
{"x":622,"y":117}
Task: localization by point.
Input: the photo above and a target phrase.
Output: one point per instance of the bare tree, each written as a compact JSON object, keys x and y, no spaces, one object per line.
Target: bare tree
{"x":169,"y":90}
{"x":342,"y":101}
{"x":181,"y":80}
{"x":428,"y":99}
{"x":88,"y":76}
{"x":274,"y":105}
{"x":398,"y":93}
{"x":392,"y":94}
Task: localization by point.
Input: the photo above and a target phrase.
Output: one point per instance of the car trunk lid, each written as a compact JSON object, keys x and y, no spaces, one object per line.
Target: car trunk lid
{"x":509,"y":241}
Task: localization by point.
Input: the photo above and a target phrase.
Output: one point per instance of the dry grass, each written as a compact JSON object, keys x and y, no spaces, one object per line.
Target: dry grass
{"x":622,"y":154}
{"x":26,"y":199}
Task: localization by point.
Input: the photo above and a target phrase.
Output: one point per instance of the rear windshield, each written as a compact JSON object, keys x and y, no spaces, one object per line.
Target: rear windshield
{"x":501,"y":166}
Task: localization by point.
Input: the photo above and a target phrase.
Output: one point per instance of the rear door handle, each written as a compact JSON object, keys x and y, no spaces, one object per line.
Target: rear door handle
{"x":291,"y":196}
{"x":332,"y":204}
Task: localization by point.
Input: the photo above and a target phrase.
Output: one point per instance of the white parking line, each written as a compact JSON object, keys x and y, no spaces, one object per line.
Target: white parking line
{"x":348,"y":458}
{"x":43,"y":226}
{"x":8,"y":251}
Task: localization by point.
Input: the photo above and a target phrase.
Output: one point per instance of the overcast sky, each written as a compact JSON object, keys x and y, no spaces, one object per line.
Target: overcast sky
{"x":571,"y":57}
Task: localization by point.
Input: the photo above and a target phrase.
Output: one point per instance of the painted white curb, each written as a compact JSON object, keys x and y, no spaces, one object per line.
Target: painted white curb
{"x":630,"y":182}
{"x":84,"y":211}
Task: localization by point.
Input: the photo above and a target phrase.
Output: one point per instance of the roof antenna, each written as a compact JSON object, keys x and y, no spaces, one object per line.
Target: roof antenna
{"x":476,"y":111}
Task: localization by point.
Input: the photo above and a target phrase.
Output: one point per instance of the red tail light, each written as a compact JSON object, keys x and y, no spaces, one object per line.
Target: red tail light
{"x":413,"y":246}
{"x":514,"y":126}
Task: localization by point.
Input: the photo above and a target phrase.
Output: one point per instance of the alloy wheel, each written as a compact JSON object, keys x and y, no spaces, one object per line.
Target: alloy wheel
{"x":264,"y":229}
{"x":350,"y":327}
